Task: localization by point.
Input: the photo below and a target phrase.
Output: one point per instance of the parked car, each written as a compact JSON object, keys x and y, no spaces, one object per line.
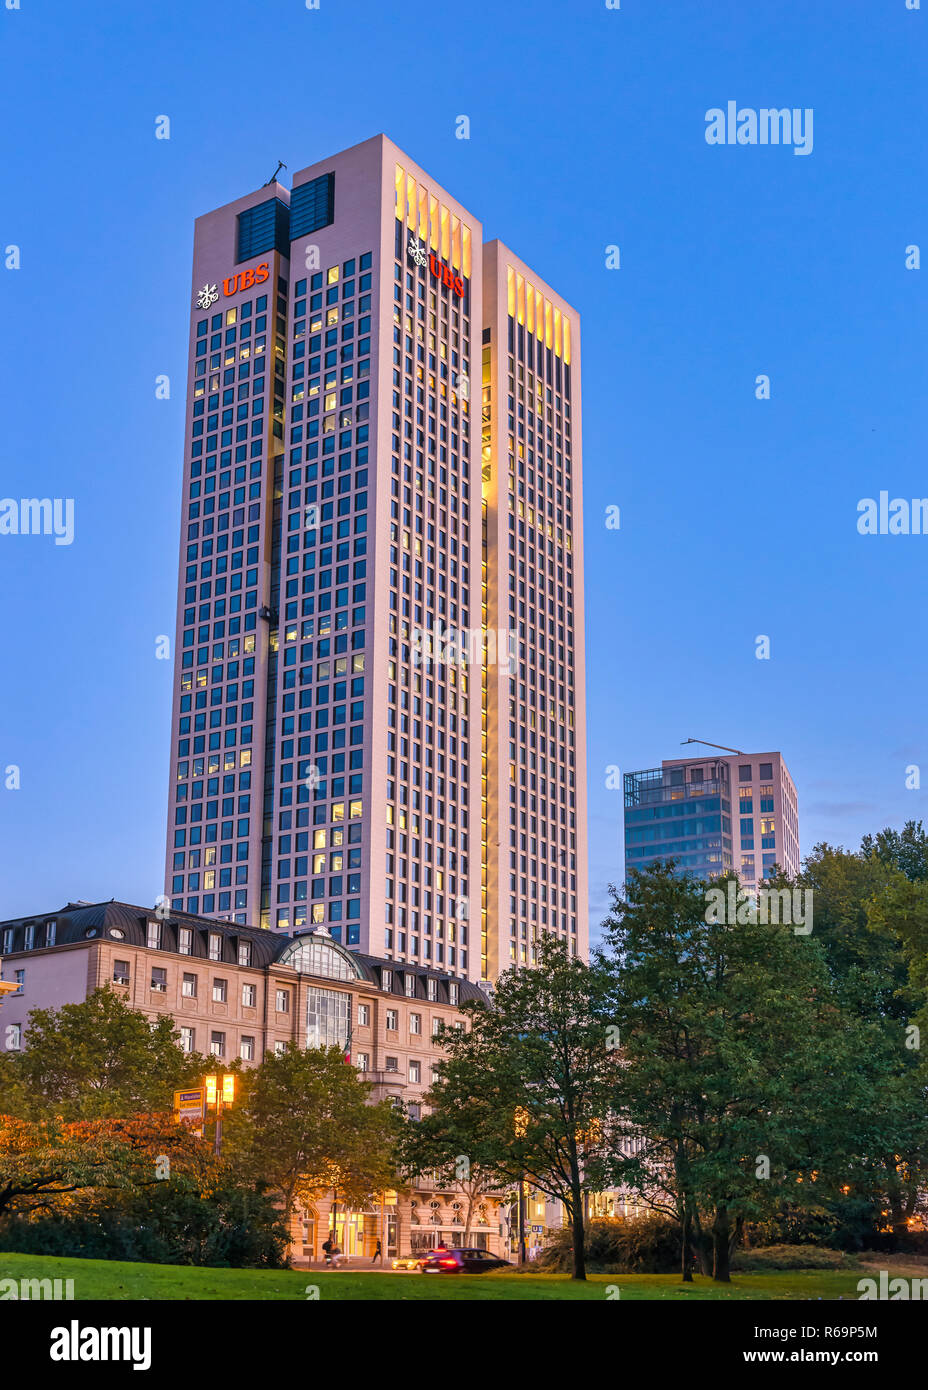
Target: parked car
{"x":462,"y":1261}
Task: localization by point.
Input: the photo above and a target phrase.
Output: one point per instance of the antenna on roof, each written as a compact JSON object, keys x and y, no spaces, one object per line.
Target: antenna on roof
{"x":723,"y":747}
{"x":273,"y":178}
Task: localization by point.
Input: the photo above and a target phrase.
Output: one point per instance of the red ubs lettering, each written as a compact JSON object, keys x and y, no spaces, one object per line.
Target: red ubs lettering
{"x":446,"y":275}
{"x":246,"y":279}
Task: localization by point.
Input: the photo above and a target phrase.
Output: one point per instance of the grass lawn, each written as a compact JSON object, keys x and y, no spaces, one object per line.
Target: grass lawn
{"x":103,"y":1279}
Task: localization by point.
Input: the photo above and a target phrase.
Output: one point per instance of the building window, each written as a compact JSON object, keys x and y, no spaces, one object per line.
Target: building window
{"x":279,"y":1048}
{"x":187,"y":1039}
{"x":219,"y":991}
{"x":386,"y":979}
{"x":159,"y":979}
{"x":744,"y":772}
{"x":328,"y":1018}
{"x":363,"y":1062}
{"x":247,"y":1049}
{"x":436,"y":1026}
{"x":215,"y":946}
{"x":185,"y":941}
{"x":51,"y":931}
{"x":766,"y":772}
{"x":14,"y":1036}
{"x":120,"y":972}
{"x":29,"y":937}
{"x":189,"y":987}
{"x":217,"y":1044}
{"x":7,"y":940}
{"x":393,"y":1020}
{"x":391,"y":1064}
{"x":153,"y":939}
{"x":432,"y":988}
{"x":414,"y":1111}
{"x":453,"y":991}
{"x":415,"y":1023}
{"x":415,"y":1071}
{"x":283,"y":1001}
{"x":410,"y":984}
{"x":249,"y":996}
{"x":19,"y":977}
{"x":244,"y":953}
{"x":364,"y":1015}
{"x":312,"y":206}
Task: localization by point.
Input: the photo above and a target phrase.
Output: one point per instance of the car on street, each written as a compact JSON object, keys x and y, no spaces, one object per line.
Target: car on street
{"x":406,"y":1261}
{"x":462,"y":1260}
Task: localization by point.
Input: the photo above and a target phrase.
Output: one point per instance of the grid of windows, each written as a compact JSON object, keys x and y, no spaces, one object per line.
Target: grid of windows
{"x":430,"y":692}
{"x":265,"y":227}
{"x":537,"y":430}
{"x":237,"y":415}
{"x":312,"y":206}
{"x":317,"y":674}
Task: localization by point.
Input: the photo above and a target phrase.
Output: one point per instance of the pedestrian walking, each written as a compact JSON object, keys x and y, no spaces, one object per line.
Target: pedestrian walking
{"x":378,"y":1254}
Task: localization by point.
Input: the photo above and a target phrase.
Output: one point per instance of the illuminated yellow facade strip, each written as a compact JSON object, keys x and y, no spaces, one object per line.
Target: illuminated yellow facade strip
{"x":537,"y":314}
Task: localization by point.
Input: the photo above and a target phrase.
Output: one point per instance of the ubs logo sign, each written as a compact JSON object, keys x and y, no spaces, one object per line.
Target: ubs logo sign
{"x":241,"y":280}
{"x":417,"y":253}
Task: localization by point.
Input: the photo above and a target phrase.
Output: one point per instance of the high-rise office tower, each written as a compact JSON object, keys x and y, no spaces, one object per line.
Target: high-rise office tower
{"x":343,"y":750}
{"x":535,"y":720}
{"x":714,"y":815}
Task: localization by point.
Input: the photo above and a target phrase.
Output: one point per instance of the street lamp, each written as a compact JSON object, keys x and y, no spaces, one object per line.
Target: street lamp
{"x":520,"y":1121}
{"x":220,"y":1091}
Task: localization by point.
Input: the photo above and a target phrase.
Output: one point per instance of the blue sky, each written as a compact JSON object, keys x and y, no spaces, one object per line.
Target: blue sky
{"x":738,"y":516}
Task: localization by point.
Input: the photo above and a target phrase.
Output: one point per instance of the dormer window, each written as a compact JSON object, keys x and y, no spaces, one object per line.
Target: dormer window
{"x":432,"y":988}
{"x":51,"y":931}
{"x":453,"y":991}
{"x":153,"y":939}
{"x":244,"y":953}
{"x":185,"y":941}
{"x":386,"y":979}
{"x":410,"y":983}
{"x":29,"y":937}
{"x":215,"y":946}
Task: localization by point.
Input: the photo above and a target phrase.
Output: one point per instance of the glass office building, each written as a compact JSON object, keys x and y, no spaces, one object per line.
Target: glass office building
{"x":382,"y":440}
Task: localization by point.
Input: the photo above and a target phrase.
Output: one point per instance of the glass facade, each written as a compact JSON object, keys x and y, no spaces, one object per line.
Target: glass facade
{"x":681,"y":813}
{"x":328,"y":1018}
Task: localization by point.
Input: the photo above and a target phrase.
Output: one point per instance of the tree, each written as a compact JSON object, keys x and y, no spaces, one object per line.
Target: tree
{"x":867,"y":964}
{"x":44,"y":1163}
{"x":456,"y":1140}
{"x":905,"y":849}
{"x":304,"y":1125}
{"x":871,"y":916}
{"x":97,"y":1058}
{"x":739,"y":1073}
{"x":526,"y":1089}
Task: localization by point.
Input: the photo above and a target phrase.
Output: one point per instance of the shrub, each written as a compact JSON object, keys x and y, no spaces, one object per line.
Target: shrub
{"x":162,"y":1225}
{"x":649,"y":1245}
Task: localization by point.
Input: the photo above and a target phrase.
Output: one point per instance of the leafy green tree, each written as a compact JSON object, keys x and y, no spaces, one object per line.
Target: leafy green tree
{"x":456,"y":1140}
{"x":525,"y":1090}
{"x":871,"y":916}
{"x":96,"y":1058}
{"x":304,"y":1125}
{"x":868,"y":966}
{"x":740,"y":1077}
{"x":905,"y":849}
